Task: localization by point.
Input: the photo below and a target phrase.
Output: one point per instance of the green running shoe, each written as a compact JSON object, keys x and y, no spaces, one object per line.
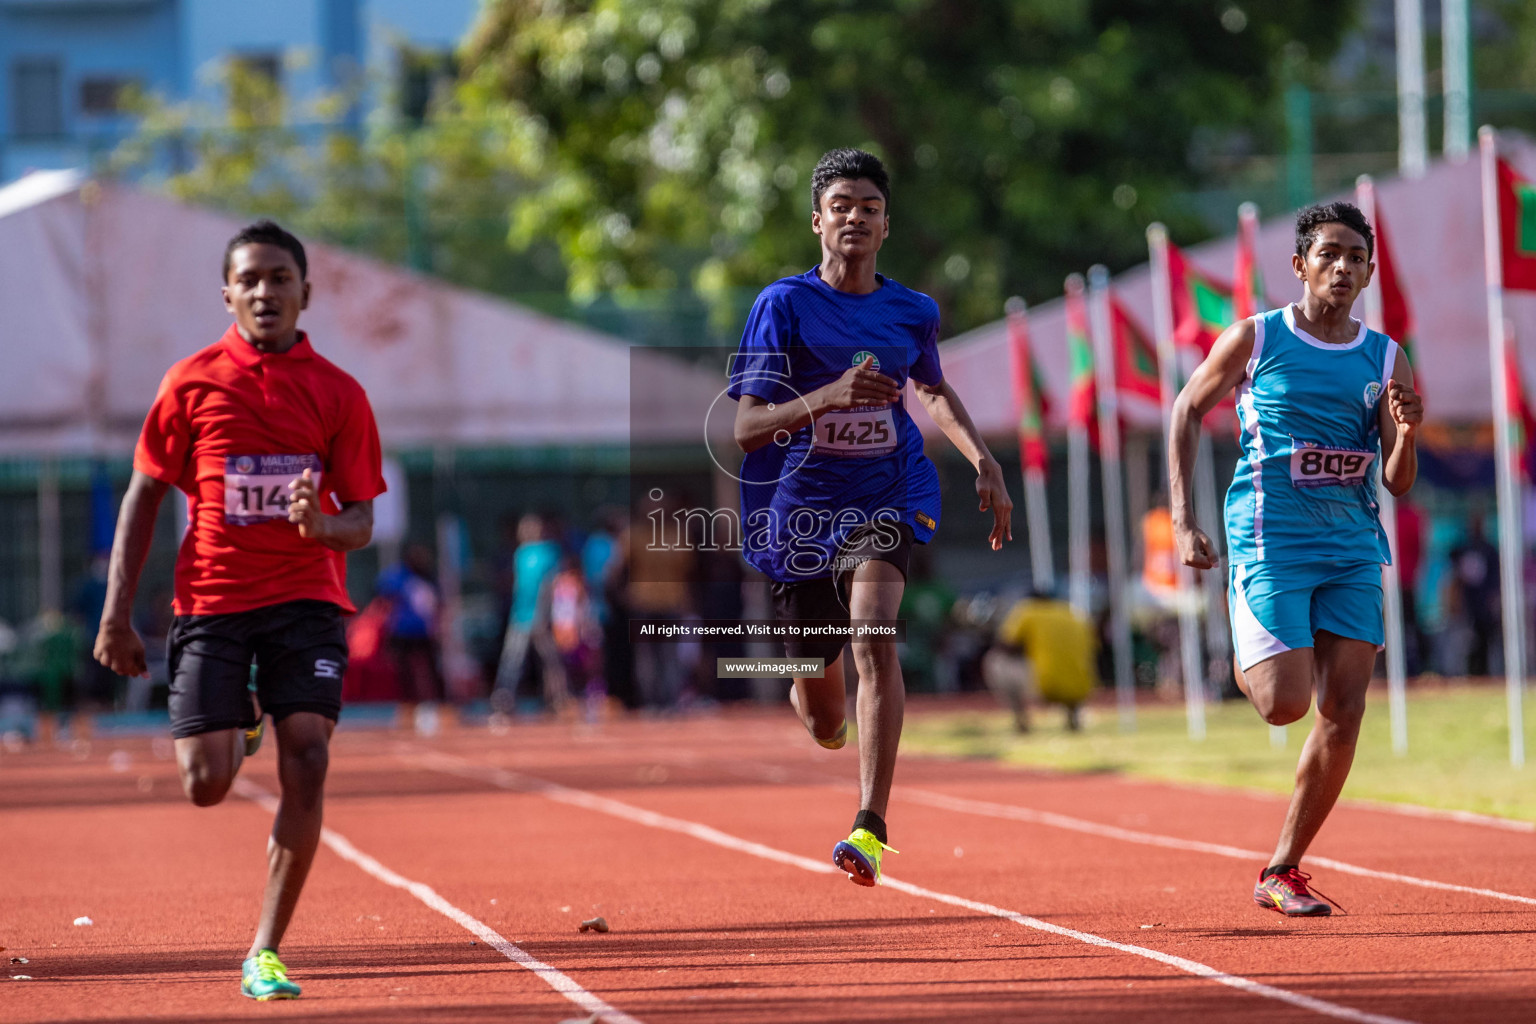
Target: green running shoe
{"x":253,"y":733}
{"x":859,"y":855}
{"x":837,"y":741}
{"x":264,"y":977}
{"x":253,"y":736}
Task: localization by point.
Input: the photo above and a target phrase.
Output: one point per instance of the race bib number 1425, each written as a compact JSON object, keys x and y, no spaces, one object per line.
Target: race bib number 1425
{"x":1316,"y":466}
{"x":856,"y":433}
{"x":256,"y":486}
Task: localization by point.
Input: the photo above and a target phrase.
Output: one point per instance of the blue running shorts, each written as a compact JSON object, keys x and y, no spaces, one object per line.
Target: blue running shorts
{"x":1278,"y":607}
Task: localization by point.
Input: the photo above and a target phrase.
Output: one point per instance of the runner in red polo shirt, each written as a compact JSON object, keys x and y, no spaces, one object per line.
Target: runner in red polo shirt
{"x":278,"y":454}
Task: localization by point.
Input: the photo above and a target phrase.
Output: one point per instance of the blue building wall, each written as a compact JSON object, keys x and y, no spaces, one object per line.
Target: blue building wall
{"x":177,"y":49}
{"x":132,"y":40}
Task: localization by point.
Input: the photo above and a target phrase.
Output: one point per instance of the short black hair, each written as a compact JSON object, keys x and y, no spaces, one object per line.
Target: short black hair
{"x":1310,"y":218}
{"x":849,"y":165}
{"x":267,"y":232}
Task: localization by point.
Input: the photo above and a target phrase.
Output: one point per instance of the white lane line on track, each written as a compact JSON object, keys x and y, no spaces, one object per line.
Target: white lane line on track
{"x":1382,"y":806}
{"x":773,"y":773}
{"x":994,"y":810}
{"x":519,"y":782}
{"x":562,"y":983}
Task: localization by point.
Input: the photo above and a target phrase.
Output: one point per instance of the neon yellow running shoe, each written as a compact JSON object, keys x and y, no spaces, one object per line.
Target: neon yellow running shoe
{"x":264,"y":977}
{"x":859,"y":855}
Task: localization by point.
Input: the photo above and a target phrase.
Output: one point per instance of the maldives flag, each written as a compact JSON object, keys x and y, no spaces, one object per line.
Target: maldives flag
{"x":1136,"y":379}
{"x":1202,"y":309}
{"x":1396,"y":317}
{"x":1082,"y":402}
{"x":1522,"y":428}
{"x":1202,"y":306}
{"x":1028,"y":396}
{"x":1247,"y":283}
{"x":1517,"y":229}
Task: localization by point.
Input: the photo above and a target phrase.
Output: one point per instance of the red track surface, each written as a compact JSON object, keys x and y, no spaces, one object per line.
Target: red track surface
{"x":703,"y":933}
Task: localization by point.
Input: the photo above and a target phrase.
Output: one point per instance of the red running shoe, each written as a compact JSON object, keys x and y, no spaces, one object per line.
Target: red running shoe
{"x":1286,"y":893}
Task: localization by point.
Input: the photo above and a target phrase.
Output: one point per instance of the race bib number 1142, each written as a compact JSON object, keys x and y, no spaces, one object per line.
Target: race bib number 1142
{"x":256,"y":486}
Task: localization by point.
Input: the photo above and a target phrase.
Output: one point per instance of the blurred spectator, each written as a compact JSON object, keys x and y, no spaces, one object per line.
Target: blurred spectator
{"x":47,"y":660}
{"x":18,"y":705}
{"x":926,"y":663}
{"x":371,"y":675}
{"x":1475,"y":577}
{"x":1155,"y":610}
{"x":95,"y":684}
{"x":412,"y":634}
{"x":153,"y":620}
{"x":1160,"y":565}
{"x":1043,"y":650}
{"x":719,"y":596}
{"x":660,"y":578}
{"x":534,"y":562}
{"x":618,"y":651}
{"x":1410,"y":558}
{"x":575,"y":633}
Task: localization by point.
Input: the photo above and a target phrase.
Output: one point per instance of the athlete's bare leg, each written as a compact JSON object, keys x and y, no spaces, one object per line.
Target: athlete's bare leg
{"x":822,"y":704}
{"x":1281,"y":689}
{"x":208,"y":764}
{"x":1343,"y":673}
{"x":303,"y":755}
{"x":876,"y":595}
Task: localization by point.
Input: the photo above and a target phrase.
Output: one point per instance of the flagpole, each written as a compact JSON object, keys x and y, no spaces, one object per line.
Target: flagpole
{"x":1079,"y":514}
{"x":1037,"y":517}
{"x":1218,"y":645}
{"x":1511,"y":575}
{"x":1412,"y":145}
{"x":1391,"y":580}
{"x":1114,"y":502}
{"x":1189,"y":624}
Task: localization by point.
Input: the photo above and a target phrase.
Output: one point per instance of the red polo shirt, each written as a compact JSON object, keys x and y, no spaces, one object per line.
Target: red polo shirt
{"x":230,"y":427}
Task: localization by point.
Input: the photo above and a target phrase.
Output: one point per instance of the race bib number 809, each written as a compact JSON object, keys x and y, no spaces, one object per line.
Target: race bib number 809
{"x":256,"y":486}
{"x":1315,"y":466}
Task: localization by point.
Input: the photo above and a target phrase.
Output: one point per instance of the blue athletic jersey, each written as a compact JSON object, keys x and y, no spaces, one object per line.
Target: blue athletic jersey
{"x":1305,"y":488}
{"x":801,"y":498}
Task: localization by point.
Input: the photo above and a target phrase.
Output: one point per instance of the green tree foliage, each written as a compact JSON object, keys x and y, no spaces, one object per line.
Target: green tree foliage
{"x":433,"y":196}
{"x":669,"y":142}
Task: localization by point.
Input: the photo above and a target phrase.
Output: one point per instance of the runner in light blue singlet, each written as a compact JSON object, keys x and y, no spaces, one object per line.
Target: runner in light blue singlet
{"x":1328,"y":413}
{"x":1302,"y":521}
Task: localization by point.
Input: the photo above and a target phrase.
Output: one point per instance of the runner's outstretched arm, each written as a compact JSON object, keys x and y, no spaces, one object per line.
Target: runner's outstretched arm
{"x":118,"y":646}
{"x":1221,"y":371}
{"x":951,"y":416}
{"x":1401,"y":413}
{"x":347,"y":530}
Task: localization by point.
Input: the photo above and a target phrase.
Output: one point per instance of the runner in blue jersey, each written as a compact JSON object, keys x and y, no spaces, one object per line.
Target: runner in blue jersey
{"x":835,"y":486}
{"x":1323,"y":402}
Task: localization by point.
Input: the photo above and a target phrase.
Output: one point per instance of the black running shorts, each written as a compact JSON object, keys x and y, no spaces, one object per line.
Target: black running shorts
{"x":825,"y":599}
{"x":299,"y":649}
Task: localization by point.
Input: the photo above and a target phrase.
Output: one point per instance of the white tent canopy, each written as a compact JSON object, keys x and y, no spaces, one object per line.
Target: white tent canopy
{"x":103,"y":287}
{"x":1435,"y":229}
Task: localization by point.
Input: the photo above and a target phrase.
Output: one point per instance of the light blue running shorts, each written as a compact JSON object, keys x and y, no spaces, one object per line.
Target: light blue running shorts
{"x":1278,"y":607}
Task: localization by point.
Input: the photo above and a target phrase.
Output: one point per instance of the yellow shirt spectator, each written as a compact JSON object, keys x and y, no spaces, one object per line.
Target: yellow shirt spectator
{"x":1060,"y":646}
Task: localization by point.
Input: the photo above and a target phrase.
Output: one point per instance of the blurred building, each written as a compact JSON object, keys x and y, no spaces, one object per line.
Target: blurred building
{"x":68,"y":66}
